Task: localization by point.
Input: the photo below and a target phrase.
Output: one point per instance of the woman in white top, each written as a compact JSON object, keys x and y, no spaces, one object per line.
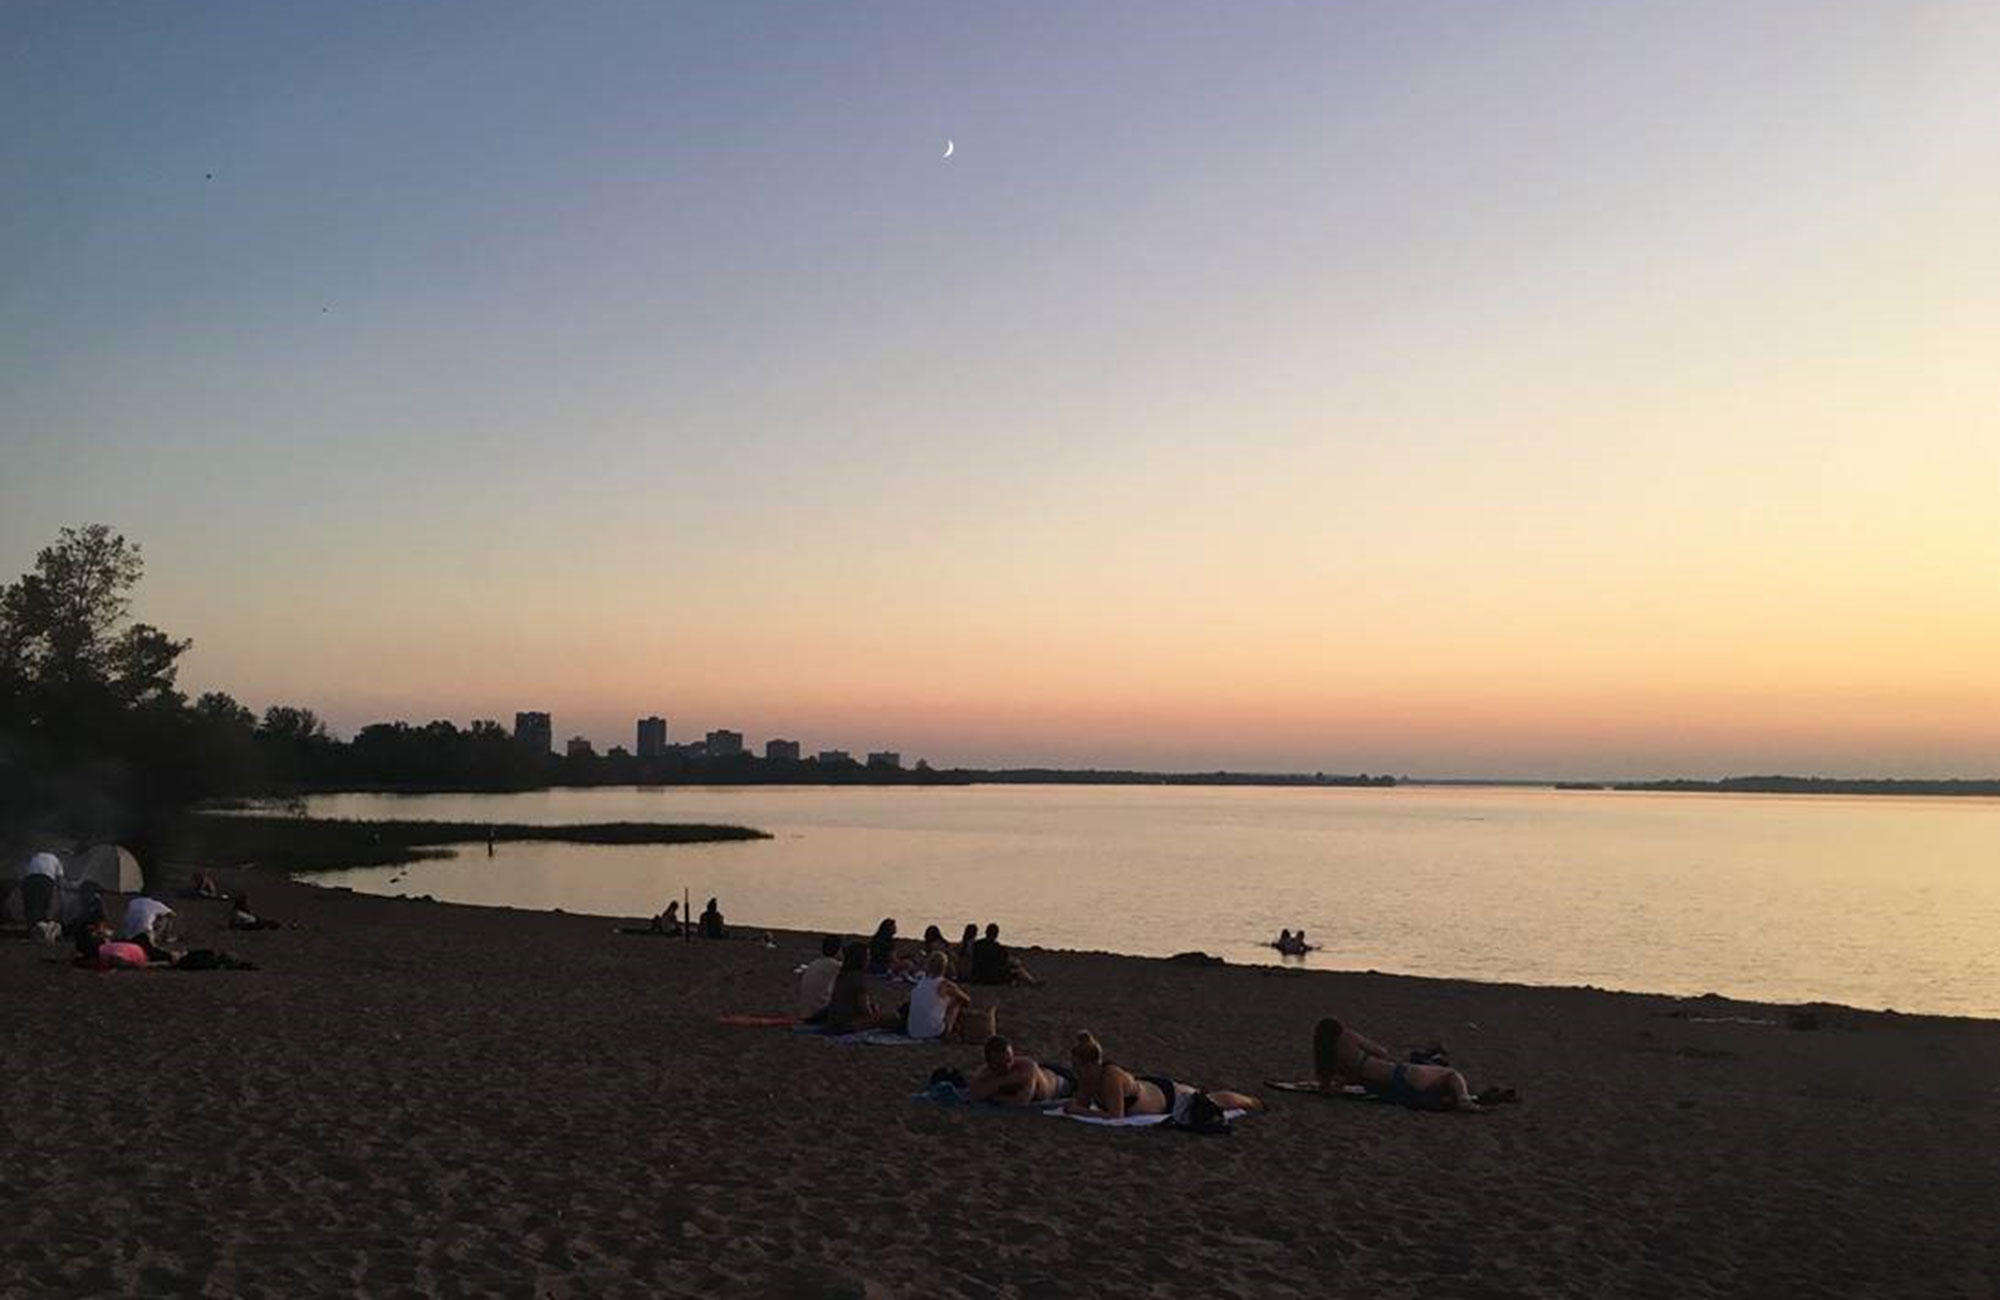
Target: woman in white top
{"x":148,"y":923}
{"x":935,"y":1003}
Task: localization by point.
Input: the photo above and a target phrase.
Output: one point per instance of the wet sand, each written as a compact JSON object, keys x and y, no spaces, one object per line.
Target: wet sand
{"x":414,"y":1099}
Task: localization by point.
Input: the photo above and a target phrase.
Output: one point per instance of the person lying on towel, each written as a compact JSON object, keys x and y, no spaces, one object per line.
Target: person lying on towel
{"x":1114,"y":1092}
{"x":96,"y":950}
{"x":1009,"y":1079}
{"x":1342,"y":1055}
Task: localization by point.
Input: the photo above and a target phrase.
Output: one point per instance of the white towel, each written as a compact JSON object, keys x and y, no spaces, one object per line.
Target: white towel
{"x":1134,"y":1121}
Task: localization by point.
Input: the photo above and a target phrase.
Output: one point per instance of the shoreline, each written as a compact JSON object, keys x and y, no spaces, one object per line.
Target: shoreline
{"x":421,"y":1098}
{"x":812,"y":936}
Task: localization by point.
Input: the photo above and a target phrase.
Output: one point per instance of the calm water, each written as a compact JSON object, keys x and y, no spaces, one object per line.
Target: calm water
{"x":1871,"y":902}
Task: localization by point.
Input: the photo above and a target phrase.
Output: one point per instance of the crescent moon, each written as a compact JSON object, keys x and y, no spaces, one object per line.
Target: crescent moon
{"x":949,"y":148}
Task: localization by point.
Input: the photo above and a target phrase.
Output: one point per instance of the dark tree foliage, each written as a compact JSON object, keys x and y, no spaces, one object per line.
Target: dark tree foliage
{"x":436,"y":755}
{"x":97,"y":742}
{"x":93,"y":734}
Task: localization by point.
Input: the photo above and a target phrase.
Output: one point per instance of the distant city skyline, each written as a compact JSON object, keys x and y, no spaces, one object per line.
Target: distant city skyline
{"x":1528,"y":390}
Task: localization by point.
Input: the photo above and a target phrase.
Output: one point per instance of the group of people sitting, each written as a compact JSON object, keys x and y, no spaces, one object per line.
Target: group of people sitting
{"x":834,"y":994}
{"x":146,"y":936}
{"x":709,"y":926}
{"x":974,"y":959}
{"x":834,"y":991}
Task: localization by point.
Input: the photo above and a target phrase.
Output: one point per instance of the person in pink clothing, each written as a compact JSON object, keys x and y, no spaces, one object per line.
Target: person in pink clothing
{"x":97,"y":950}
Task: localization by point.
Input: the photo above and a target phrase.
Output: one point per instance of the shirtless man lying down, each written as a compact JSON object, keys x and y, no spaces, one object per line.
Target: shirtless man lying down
{"x":1009,"y":1079}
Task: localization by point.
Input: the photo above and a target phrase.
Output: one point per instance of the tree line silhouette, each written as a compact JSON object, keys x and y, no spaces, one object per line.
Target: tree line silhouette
{"x":97,"y":740}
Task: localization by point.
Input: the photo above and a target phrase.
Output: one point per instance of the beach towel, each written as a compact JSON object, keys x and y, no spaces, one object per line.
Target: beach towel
{"x":950,"y":1094}
{"x":1134,"y":1121}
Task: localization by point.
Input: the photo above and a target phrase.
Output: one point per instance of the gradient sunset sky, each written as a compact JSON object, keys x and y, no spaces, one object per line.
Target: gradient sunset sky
{"x":1509,"y":389}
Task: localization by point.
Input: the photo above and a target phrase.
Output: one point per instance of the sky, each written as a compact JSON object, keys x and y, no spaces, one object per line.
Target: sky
{"x":1448,"y":389}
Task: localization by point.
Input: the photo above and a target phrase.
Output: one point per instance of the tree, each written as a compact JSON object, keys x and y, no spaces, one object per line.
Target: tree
{"x":221,"y":709}
{"x":92,"y":730}
{"x":60,"y":625}
{"x":291,"y":725}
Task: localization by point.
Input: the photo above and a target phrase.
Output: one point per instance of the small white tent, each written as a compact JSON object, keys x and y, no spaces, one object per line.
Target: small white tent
{"x":107,"y":866}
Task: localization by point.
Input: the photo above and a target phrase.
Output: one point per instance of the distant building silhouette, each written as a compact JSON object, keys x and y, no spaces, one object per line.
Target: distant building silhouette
{"x":885,"y":758}
{"x":579,"y":747}
{"x":835,"y":756}
{"x":782,"y":751}
{"x":618,"y":751}
{"x":725,"y":744}
{"x":534,"y":731}
{"x":652,"y":737}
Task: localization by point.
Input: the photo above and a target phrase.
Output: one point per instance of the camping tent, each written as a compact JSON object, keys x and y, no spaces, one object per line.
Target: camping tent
{"x":107,"y":866}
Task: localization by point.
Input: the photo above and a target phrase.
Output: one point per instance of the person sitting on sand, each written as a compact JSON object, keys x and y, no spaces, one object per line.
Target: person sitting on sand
{"x":1008,"y":1079}
{"x":816,"y":981}
{"x":1343,"y":1056}
{"x":934,"y":941}
{"x":669,"y":921}
{"x":242,"y":918}
{"x":148,"y":923}
{"x":993,"y":964}
{"x":882,"y":959}
{"x":851,"y":1008}
{"x":968,"y":947}
{"x":1114,"y":1092}
{"x":204,"y":886}
{"x":935,"y":1003}
{"x":711,"y":922}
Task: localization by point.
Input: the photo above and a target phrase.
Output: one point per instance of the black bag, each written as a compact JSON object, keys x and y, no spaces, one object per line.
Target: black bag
{"x":1204,"y":1115}
{"x":209,"y":959}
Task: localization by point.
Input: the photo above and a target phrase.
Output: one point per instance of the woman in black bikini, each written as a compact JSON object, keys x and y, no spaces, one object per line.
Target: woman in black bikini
{"x":1341,"y":1055}
{"x":1115,"y":1092}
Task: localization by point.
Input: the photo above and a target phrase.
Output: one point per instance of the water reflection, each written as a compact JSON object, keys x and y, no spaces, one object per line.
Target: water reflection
{"x":1876,"y":902}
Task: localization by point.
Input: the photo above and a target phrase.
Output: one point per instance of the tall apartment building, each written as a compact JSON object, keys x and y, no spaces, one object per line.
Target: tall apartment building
{"x":652,"y":737}
{"x":783,"y":751}
{"x":835,"y":756}
{"x":725,"y":744}
{"x":534,"y":731}
{"x":885,"y":758}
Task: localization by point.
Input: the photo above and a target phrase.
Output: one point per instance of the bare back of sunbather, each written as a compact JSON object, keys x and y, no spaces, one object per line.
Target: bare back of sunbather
{"x":1340,"y":1054}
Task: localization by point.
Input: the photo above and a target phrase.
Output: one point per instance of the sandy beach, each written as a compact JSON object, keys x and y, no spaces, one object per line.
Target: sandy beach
{"x":414,"y":1099}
